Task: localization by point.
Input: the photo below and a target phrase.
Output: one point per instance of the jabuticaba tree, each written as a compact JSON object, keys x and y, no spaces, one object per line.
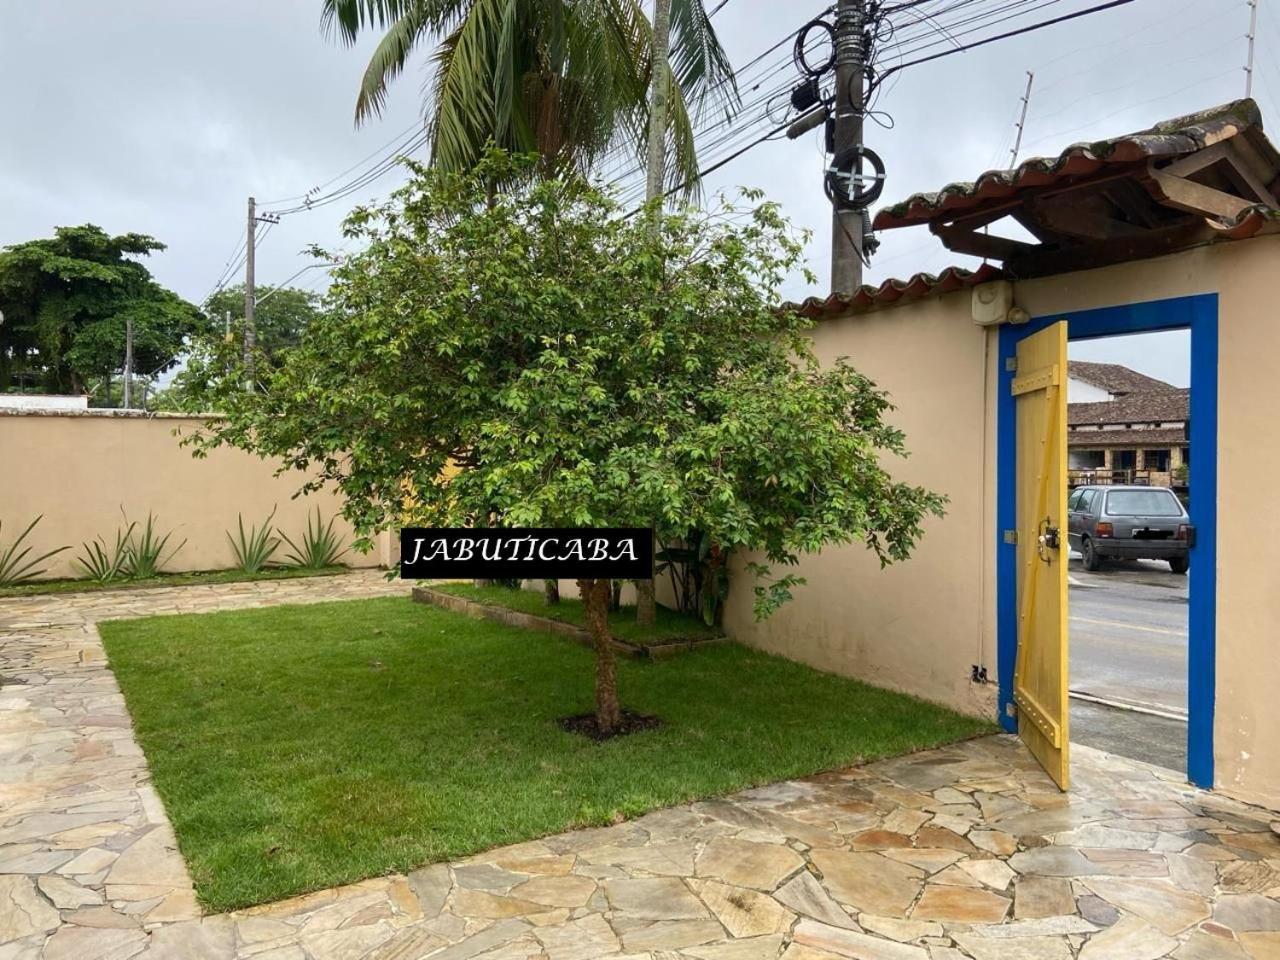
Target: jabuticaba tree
{"x":537,"y":358}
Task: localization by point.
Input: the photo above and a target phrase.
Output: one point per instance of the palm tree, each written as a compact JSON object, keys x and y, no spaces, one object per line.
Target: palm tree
{"x":566,"y":79}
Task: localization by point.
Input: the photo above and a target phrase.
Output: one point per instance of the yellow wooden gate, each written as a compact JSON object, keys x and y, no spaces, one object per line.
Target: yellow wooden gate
{"x":1040,"y":676}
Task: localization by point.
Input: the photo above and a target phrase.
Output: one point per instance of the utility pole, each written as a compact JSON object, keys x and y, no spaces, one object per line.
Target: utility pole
{"x":1253,"y":33}
{"x":846,"y":235}
{"x":1022,"y":121}
{"x":249,"y":294}
{"x":654,"y":190}
{"x":128,"y":362}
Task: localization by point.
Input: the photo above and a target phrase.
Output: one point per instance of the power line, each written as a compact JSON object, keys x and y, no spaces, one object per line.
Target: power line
{"x":1133,"y":106}
{"x":976,"y":23}
{"x":1004,"y":36}
{"x":416,"y":125}
{"x":385,"y":163}
{"x":615,"y":160}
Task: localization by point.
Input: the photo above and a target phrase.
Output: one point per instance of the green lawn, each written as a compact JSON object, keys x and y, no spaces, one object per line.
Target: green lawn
{"x":301,"y":747}
{"x":668,"y":624}
{"x":38,"y":587}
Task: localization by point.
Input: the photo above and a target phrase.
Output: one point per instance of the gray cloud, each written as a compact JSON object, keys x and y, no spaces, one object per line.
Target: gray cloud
{"x":163,"y":117}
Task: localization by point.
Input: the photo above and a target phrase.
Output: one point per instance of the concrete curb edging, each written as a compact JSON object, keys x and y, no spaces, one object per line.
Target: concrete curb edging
{"x":529,"y":621}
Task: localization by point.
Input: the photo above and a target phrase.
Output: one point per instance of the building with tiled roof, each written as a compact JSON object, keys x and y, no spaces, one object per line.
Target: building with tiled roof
{"x":1109,"y":381}
{"x":1125,"y":427}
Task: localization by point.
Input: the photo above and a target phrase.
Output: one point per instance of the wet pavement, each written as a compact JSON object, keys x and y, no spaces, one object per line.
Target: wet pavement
{"x":967,"y":851}
{"x":1128,"y":648}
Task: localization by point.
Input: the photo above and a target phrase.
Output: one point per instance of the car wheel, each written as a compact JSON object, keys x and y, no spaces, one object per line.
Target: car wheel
{"x":1179,"y":564}
{"x":1090,"y":556}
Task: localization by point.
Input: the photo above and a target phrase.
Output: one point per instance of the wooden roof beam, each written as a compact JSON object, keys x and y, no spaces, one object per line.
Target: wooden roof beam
{"x":1183,"y":194}
{"x":976,"y":244}
{"x":1079,"y":222}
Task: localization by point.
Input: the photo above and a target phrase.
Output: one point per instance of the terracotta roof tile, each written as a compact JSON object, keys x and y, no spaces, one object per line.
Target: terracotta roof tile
{"x":1158,"y":437}
{"x":1115,"y":378}
{"x":919,"y":286}
{"x":1162,"y":407}
{"x":1169,"y":139}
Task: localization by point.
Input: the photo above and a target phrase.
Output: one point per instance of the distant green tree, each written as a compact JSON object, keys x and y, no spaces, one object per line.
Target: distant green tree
{"x":281,"y":317}
{"x":67,"y":301}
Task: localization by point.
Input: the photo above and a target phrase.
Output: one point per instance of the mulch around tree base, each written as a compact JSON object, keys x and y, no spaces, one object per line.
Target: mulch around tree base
{"x":585,"y":724}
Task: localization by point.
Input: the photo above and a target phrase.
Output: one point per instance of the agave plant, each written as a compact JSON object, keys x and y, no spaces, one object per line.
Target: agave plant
{"x":254,"y":548}
{"x":320,"y":547}
{"x":15,"y":567}
{"x":146,"y":552}
{"x":103,"y":564}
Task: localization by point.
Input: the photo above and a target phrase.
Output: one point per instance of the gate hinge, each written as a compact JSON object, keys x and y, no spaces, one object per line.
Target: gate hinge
{"x":1011,"y":364}
{"x":1011,"y":536}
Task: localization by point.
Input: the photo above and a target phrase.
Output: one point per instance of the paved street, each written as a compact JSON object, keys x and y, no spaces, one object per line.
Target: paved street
{"x":1129,"y":646}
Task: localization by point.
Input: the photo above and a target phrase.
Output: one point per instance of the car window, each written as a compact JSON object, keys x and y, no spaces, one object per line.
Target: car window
{"x":1143,"y":503}
{"x":1074,"y":500}
{"x":1086,"y":501}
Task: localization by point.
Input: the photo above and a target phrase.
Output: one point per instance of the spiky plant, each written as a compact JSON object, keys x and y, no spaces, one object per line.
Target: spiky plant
{"x":146,"y":551}
{"x":318,"y":547}
{"x":102,"y":563}
{"x":15,"y":566}
{"x":255,"y":547}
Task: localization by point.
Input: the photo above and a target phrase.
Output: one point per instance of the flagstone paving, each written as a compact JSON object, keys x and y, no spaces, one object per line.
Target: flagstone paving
{"x":962,"y":852}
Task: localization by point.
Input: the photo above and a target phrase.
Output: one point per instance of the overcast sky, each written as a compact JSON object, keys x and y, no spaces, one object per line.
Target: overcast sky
{"x":162,"y":117}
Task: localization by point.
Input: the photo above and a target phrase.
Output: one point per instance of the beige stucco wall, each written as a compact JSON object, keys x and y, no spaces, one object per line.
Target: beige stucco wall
{"x":919,"y":626}
{"x":79,"y":470}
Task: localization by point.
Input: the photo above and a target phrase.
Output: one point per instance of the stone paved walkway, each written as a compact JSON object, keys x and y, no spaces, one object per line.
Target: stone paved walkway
{"x":967,"y":851}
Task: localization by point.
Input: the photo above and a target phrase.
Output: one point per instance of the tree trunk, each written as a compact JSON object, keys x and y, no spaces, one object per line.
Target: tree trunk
{"x":595,"y":602}
{"x":615,"y":595}
{"x":658,"y":88}
{"x":646,"y":606}
{"x":551,"y":592}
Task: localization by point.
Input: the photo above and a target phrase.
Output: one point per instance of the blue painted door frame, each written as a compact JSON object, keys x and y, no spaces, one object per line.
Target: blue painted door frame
{"x":1199,"y":314}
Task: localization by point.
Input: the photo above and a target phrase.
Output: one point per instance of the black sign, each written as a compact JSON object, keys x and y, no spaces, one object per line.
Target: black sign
{"x":534,"y":553}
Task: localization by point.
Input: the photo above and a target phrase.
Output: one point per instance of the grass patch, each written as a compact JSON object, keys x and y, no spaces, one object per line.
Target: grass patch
{"x":668,"y":624}
{"x":300,"y":747}
{"x":167,"y":580}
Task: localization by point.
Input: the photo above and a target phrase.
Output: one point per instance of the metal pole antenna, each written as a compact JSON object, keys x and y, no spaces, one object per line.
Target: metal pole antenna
{"x":846,"y":234}
{"x":250,"y":295}
{"x":1022,"y":121}
{"x":1253,"y":34}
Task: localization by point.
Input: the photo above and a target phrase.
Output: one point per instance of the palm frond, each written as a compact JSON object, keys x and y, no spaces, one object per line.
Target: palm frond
{"x":680,"y":161}
{"x":463,"y":114}
{"x":568,"y":79}
{"x":387,"y":63}
{"x":698,"y":60}
{"x":346,"y":18}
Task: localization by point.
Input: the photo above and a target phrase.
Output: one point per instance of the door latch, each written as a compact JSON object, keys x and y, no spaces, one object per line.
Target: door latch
{"x":1049,"y":539}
